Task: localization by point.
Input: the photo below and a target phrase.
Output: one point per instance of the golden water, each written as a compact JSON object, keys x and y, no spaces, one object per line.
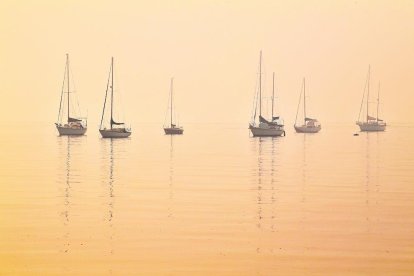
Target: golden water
{"x":211,"y":202}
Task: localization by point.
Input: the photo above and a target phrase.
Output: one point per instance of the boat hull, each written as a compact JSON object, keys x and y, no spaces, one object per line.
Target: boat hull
{"x":173,"y":130}
{"x":71,"y":131}
{"x":267,"y":132}
{"x":371,"y":127}
{"x":108,"y":133}
{"x":307,"y":129}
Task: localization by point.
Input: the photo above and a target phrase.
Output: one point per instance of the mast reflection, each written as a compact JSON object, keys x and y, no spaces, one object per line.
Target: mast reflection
{"x":171,"y":178}
{"x":67,"y":194}
{"x":265,"y":182}
{"x":110,"y":192}
{"x":69,"y":177}
{"x":371,"y":193}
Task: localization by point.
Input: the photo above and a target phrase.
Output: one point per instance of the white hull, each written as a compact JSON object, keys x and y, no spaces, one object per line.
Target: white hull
{"x":173,"y":130}
{"x":71,"y":131}
{"x":108,"y":133}
{"x":371,"y":127}
{"x":267,"y":132}
{"x":307,"y":129}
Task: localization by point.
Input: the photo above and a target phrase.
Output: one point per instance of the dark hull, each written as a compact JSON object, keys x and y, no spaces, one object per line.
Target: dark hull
{"x":307,"y":129}
{"x":108,"y":133}
{"x":173,"y":131}
{"x":71,"y":131}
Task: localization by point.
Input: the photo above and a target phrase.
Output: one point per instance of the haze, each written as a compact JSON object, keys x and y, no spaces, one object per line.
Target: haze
{"x":212,"y":51}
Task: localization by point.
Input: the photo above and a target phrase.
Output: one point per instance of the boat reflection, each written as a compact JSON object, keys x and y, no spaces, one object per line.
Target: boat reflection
{"x":67,"y":180}
{"x":108,"y":181}
{"x":171,"y":178}
{"x":265,"y":180}
{"x":372,"y":169}
{"x":304,"y":182}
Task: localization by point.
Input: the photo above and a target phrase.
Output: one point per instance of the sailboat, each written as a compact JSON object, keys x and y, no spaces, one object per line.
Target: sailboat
{"x":371,"y":123}
{"x":266,"y":128}
{"x":309,"y":125}
{"x":116,"y":129}
{"x":72,"y":125}
{"x":172,"y":128}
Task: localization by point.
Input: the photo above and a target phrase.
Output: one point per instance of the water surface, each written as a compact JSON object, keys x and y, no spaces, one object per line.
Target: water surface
{"x":211,"y":202}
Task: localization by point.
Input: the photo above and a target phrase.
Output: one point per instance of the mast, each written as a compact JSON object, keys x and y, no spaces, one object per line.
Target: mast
{"x":171,"y":104}
{"x":260,"y":84}
{"x":112,"y":89}
{"x":67,"y":71}
{"x":297,"y":110}
{"x":61,"y":97}
{"x":273,"y":93}
{"x":363,"y":95}
{"x":106,"y":96}
{"x":379,"y":86}
{"x":369,"y":77}
{"x":304,"y":101}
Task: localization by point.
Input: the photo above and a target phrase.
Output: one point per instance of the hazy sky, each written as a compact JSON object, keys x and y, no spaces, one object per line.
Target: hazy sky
{"x":212,"y":50}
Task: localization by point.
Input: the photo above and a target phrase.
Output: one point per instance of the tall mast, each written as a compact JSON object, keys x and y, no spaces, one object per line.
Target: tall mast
{"x":260,"y":84}
{"x":61,"y":97}
{"x":369,"y":76}
{"x":304,"y":100}
{"x":273,"y":93}
{"x":297,"y":110}
{"x":171,"y":104}
{"x":379,"y":86}
{"x":112,"y":89}
{"x":106,"y":96}
{"x":67,"y":71}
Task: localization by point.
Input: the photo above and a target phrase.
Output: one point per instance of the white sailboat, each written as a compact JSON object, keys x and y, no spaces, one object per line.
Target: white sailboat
{"x":172,"y":128}
{"x":73,"y":125}
{"x":266,"y":128}
{"x":116,"y":129}
{"x":371,"y":123}
{"x":309,"y":125}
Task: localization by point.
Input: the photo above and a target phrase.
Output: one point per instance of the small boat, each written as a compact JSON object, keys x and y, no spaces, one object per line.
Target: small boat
{"x":371,"y":123}
{"x":73,"y":125}
{"x":309,"y":125}
{"x":265,"y":128}
{"x":115,"y":129}
{"x":172,"y":128}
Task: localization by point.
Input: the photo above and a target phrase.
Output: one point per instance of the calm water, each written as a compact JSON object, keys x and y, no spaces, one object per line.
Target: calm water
{"x":213,"y":201}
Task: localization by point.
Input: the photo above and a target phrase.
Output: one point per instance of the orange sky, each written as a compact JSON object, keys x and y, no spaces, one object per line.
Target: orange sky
{"x":212,"y":50}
